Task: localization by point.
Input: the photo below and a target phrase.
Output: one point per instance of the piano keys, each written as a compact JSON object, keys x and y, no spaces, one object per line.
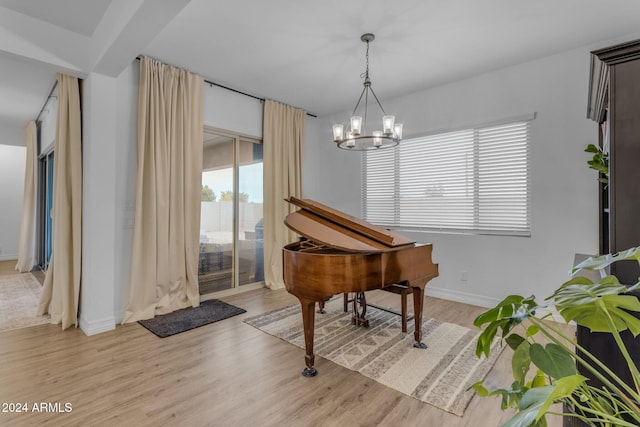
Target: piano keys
{"x":339,"y":253}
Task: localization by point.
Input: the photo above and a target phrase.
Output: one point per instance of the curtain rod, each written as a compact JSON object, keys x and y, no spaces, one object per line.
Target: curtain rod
{"x":55,"y":84}
{"x":210,"y":83}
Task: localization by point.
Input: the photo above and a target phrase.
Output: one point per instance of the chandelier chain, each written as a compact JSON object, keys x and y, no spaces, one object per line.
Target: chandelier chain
{"x":366,"y":72}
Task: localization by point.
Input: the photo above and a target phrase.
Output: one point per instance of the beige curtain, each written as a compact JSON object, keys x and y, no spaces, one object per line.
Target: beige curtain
{"x":164,"y":271}
{"x":283,"y":136}
{"x":26,"y":244}
{"x":61,"y":288}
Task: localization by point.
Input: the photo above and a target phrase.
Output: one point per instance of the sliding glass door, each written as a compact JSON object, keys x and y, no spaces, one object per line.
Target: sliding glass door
{"x":45,"y":207}
{"x":231,"y":234}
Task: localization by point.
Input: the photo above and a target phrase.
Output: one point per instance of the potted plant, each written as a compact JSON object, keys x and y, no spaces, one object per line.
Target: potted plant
{"x":545,"y":358}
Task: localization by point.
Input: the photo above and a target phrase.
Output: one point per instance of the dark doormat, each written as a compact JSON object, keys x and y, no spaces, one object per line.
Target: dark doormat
{"x":190,"y":318}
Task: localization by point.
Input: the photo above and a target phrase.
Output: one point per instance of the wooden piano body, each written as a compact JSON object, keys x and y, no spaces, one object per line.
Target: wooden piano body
{"x":339,"y":253}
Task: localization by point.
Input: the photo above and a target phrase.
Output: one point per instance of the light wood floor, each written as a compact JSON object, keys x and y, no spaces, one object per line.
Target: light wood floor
{"x":223,"y":374}
{"x":7,"y":267}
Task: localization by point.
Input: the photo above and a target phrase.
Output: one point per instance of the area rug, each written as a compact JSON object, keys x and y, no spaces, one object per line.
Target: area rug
{"x":19,"y":299}
{"x":439,"y":375}
{"x":209,"y":311}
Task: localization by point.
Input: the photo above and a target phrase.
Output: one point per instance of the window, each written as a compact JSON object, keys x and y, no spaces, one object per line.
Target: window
{"x":467,"y":181}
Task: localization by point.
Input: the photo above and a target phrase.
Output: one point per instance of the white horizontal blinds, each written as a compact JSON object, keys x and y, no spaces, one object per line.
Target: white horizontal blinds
{"x":503,"y":195}
{"x":436,"y":181}
{"x":379,"y":194}
{"x":473,"y":180}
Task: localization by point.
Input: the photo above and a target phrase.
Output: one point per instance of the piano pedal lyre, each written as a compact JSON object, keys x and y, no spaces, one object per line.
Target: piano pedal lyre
{"x":359,"y":317}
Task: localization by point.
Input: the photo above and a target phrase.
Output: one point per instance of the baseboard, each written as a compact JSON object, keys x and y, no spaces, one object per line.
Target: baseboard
{"x":463,"y":297}
{"x":119,"y":315}
{"x":486,"y":302}
{"x":98,"y":326}
{"x":9,"y":257}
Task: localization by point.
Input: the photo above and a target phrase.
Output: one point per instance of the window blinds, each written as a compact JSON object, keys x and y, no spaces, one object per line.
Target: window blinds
{"x":470,"y":181}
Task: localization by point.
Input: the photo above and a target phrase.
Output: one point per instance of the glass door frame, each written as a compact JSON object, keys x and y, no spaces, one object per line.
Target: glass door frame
{"x":44,"y":228}
{"x":235,"y":286}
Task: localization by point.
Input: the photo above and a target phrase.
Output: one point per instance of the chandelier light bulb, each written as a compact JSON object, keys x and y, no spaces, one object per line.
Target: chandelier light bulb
{"x":377,"y":138}
{"x":350,"y":141}
{"x":397,"y":130}
{"x":387,"y":124}
{"x":338,"y":133}
{"x":356,"y":125}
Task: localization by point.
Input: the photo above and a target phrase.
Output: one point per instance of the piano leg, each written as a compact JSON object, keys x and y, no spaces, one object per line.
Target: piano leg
{"x":308,"y":320}
{"x":418,"y":302}
{"x":321,"y":305}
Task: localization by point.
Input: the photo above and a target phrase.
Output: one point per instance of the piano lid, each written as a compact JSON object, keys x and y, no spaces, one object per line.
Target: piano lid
{"x":325,"y":225}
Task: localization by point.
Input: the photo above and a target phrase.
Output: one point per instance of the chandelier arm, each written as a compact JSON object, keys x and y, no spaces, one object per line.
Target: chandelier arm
{"x":359,"y":99}
{"x":366,"y":106}
{"x":379,"y":104}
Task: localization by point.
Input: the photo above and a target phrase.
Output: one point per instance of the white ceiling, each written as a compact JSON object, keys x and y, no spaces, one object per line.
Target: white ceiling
{"x":79,"y":16}
{"x":306,"y":54}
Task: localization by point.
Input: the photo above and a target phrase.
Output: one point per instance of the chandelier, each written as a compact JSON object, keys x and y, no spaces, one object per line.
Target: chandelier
{"x":355,"y":136}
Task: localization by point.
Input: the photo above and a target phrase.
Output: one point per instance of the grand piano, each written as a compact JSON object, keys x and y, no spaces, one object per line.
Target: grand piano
{"x":338,"y":253}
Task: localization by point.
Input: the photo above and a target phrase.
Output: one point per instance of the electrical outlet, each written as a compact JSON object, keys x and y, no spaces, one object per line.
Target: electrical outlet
{"x":463,"y":276}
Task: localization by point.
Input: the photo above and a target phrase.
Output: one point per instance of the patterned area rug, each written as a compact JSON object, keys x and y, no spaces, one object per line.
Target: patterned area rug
{"x":19,"y":298}
{"x":439,"y":375}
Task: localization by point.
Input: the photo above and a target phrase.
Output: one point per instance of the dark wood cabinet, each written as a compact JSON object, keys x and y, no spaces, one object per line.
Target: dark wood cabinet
{"x":614,"y":102}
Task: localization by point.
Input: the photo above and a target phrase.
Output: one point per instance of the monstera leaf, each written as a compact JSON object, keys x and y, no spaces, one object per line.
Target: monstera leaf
{"x":593,"y":305}
{"x":600,"y":262}
{"x":553,"y":360}
{"x":509,"y":313}
{"x":536,"y":401}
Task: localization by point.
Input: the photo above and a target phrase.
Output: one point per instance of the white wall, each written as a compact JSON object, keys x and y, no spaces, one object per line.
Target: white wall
{"x":564,"y":197}
{"x":12,"y":165}
{"x":12,"y":135}
{"x":99,"y":139}
{"x":231,"y":111}
{"x":125,"y":164}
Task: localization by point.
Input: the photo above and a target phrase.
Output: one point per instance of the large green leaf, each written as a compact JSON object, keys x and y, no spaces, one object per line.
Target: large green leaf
{"x":529,"y":408}
{"x":505,"y":316}
{"x":509,"y":398}
{"x":581,"y":290}
{"x":521,"y":362}
{"x":562,"y":388}
{"x":485,"y":339}
{"x":600,"y":262}
{"x":510,"y":307}
{"x":590,"y":305}
{"x":536,"y":402}
{"x":553,"y":360}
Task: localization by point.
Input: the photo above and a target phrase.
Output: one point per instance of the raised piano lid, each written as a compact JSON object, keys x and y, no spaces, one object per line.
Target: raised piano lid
{"x":325,"y":225}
